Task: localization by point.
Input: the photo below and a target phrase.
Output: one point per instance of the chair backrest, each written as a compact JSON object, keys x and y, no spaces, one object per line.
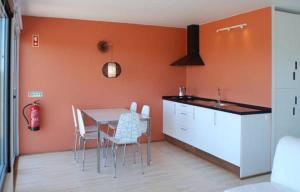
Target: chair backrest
{"x":74,"y":118}
{"x":80,"y":122}
{"x":128,"y":127}
{"x":133,"y":106}
{"x":145,"y":111}
{"x":286,"y":165}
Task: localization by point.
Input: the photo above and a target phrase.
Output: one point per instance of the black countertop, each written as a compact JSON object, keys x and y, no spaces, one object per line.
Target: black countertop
{"x":231,"y":107}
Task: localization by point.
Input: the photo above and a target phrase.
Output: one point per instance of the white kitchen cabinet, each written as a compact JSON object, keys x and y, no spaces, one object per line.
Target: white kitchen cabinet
{"x":255,"y":157}
{"x":218,"y":133}
{"x":202,"y":128}
{"x":285,"y":76}
{"x":169,"y":118}
{"x":184,"y":117}
{"x":286,"y":49}
{"x":286,"y":114}
{"x":242,"y":140}
{"x":228,"y":136}
{"x":177,"y":119}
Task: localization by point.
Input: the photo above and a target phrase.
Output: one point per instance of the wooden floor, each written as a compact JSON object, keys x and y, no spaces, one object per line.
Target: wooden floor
{"x":172,"y":169}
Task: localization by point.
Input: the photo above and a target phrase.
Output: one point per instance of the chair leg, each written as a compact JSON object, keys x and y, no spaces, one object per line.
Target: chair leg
{"x":141,"y":153}
{"x":83,"y":157}
{"x":124,"y":154}
{"x":115,"y":159}
{"x":106,"y":144}
{"x":75,"y":146}
{"x":136,"y":150}
{"x":80,"y":143}
{"x":106,"y":153}
{"x":107,"y":141}
{"x":102,"y":146}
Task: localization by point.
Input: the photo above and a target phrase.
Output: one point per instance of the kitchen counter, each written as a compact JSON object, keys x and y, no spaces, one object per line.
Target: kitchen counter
{"x":231,"y":107}
{"x":221,"y":132}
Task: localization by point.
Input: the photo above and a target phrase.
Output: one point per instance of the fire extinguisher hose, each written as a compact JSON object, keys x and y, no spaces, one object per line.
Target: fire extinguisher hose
{"x":24,"y":114}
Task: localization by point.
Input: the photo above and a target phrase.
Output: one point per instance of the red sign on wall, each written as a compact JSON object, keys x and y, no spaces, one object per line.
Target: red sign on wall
{"x":35,"y":40}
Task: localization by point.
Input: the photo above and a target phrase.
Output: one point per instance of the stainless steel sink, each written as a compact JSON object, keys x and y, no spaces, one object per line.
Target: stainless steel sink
{"x":211,"y":103}
{"x":223,"y":104}
{"x":218,"y":104}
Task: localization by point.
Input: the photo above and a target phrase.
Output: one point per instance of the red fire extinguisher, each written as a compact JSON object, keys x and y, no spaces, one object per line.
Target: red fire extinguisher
{"x":33,"y":118}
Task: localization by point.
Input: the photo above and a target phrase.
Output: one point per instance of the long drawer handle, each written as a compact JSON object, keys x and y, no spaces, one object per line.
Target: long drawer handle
{"x":174,"y":109}
{"x":193,"y":113}
{"x":296,"y":65}
{"x":215,"y":119}
{"x":294,"y":75}
{"x":296,"y":100}
{"x":294,"y":111}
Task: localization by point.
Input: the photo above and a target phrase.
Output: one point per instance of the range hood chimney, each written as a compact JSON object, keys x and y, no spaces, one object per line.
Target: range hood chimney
{"x":192,"y":57}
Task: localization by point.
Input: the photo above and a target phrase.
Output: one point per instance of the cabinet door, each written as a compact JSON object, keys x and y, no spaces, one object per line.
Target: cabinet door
{"x":286,"y":71}
{"x":297,"y":39}
{"x":169,"y":114}
{"x":286,"y":114}
{"x":227,"y":137}
{"x":285,"y":40}
{"x":184,"y":117}
{"x":203,"y":129}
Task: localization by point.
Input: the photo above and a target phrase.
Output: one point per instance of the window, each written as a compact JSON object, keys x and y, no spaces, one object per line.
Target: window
{"x":14,"y":63}
{"x":3,"y":91}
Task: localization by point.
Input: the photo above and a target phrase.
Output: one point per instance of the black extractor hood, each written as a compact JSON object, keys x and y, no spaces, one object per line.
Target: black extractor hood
{"x":192,"y":57}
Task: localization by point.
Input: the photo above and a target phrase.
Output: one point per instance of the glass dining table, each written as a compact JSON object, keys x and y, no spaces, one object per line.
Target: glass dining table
{"x":104,"y":116}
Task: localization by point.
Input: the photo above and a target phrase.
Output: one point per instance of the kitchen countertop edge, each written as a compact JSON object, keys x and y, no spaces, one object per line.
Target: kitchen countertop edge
{"x":261,"y":110}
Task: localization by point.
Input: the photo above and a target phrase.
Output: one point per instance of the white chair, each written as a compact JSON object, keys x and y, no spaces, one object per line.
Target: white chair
{"x":86,"y":136}
{"x":127,"y":132}
{"x":113,"y":125}
{"x":133,"y":106}
{"x":143,"y":124}
{"x":145,"y":113}
{"x":91,"y":128}
{"x":285,"y":172}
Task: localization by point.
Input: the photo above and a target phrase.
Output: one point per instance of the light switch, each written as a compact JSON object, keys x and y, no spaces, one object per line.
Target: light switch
{"x":35,"y":40}
{"x":35,"y":94}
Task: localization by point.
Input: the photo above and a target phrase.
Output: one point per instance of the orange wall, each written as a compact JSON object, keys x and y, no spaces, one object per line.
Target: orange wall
{"x":67,"y":68}
{"x":238,"y":62}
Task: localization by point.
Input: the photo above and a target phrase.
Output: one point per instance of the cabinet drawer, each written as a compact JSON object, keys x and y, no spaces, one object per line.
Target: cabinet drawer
{"x":183,"y":134}
{"x":183,"y":107}
{"x":184,"y":116}
{"x":184,"y":112}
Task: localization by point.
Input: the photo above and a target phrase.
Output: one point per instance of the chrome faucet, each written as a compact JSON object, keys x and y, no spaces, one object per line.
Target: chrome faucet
{"x":219,"y":97}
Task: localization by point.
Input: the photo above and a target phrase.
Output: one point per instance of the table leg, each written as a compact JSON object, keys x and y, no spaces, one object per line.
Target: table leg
{"x":149,"y":143}
{"x":98,"y":148}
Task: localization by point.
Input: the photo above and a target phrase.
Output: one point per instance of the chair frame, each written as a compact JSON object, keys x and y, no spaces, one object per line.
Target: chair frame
{"x":88,"y":129}
{"x":114,"y":149}
{"x":76,"y":133}
{"x":112,"y":126}
{"x":83,"y":136}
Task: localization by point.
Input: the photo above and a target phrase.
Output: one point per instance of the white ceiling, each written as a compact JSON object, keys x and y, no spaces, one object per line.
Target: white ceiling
{"x":174,"y":13}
